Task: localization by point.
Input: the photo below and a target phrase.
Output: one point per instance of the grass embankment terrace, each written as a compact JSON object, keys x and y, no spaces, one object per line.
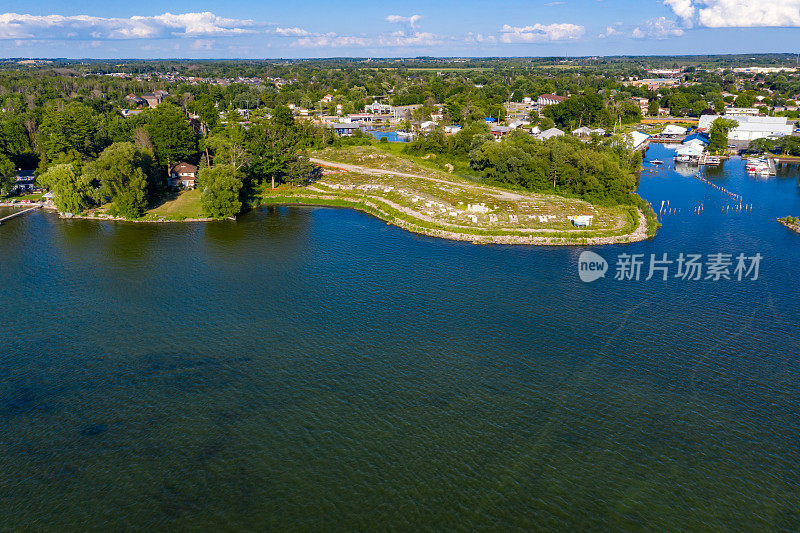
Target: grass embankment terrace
{"x":418,"y":198}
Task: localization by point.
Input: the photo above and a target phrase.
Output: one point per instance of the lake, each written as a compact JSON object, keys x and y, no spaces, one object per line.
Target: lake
{"x":315,"y":368}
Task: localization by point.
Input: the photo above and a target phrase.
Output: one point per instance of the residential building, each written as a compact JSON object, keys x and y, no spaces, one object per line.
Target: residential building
{"x":183,"y":175}
{"x":549,"y":99}
{"x":552,"y":132}
{"x":643,"y":103}
{"x":135,"y":101}
{"x":500,"y":131}
{"x":154,"y":98}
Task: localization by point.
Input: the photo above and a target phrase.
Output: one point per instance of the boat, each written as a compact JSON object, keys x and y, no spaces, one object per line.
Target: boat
{"x":656,"y":162}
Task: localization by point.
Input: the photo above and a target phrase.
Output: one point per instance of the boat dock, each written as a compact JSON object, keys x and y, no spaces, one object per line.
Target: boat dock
{"x":19,"y":214}
{"x":771,"y":167}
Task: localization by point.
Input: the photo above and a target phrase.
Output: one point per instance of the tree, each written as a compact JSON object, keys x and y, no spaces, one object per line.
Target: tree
{"x":121,"y":173}
{"x":221,"y":188}
{"x":282,"y":116}
{"x":7,"y":172}
{"x":74,"y":127}
{"x":228,"y":147}
{"x":173,"y":138}
{"x":301,"y":171}
{"x":272,"y":147}
{"x":718,"y":136}
{"x":652,"y":108}
{"x":71,"y":194}
{"x":744,"y":100}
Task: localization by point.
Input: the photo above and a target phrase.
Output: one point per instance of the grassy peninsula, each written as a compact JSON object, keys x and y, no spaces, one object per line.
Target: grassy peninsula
{"x":419,"y":198}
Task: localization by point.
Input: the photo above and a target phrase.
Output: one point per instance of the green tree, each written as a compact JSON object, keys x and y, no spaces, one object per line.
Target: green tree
{"x":73,"y":127}
{"x":282,"y":116}
{"x":301,"y":171}
{"x":652,"y":108}
{"x":71,"y":194}
{"x":121,"y":173}
{"x":718,"y":136}
{"x":744,"y":100}
{"x":272,"y":146}
{"x":7,"y":172}
{"x":220,"y":191}
{"x":173,"y":138}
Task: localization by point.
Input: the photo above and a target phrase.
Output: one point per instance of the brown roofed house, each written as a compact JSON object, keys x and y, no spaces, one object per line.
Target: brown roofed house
{"x":183,"y":175}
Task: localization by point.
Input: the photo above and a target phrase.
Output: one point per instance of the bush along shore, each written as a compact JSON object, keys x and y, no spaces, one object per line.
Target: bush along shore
{"x":793,"y":223}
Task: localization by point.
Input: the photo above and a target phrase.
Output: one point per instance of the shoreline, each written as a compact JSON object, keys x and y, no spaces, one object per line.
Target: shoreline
{"x":640,"y":233}
{"x":793,"y":227}
{"x":368,"y":206}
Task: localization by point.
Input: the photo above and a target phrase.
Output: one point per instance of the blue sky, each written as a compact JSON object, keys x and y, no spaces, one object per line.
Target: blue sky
{"x":316,"y":28}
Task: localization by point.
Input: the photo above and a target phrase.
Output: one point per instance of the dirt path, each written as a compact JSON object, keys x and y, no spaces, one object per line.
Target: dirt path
{"x":494,"y":192}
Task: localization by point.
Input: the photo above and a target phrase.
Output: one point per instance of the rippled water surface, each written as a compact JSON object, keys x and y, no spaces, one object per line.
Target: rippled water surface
{"x":318,"y":369}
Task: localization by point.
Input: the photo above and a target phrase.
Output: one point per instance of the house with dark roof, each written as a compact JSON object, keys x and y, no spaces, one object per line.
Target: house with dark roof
{"x":136,"y":101}
{"x":154,"y":98}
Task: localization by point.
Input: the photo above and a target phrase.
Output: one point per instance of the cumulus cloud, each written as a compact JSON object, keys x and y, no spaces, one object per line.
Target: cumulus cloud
{"x":541,"y":33}
{"x":737,"y":13}
{"x":292,"y":32}
{"x":408,"y":21}
{"x":84,"y":27}
{"x":611,"y":30}
{"x":657,"y":28}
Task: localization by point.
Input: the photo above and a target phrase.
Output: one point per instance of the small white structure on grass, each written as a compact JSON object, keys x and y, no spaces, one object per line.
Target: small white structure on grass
{"x":581,"y":221}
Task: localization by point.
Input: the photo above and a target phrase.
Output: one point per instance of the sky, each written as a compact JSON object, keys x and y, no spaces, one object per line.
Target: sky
{"x":347,"y":28}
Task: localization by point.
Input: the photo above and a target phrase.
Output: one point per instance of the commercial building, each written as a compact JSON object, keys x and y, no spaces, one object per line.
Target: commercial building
{"x":750,"y":127}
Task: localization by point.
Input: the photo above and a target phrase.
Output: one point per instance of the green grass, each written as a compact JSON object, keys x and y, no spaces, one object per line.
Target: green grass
{"x":34,"y":197}
{"x":178,"y":206}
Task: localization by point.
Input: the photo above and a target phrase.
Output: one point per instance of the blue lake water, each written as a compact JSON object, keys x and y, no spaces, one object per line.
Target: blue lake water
{"x":308,"y":368}
{"x":391,"y":136}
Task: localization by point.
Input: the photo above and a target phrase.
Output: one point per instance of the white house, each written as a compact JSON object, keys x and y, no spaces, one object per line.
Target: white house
{"x":552,"y":132}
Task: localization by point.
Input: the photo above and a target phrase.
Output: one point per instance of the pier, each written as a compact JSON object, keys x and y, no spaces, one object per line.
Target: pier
{"x":19,"y":214}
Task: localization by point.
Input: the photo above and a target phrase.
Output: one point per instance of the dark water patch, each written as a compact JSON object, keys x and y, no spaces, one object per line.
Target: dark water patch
{"x":94,"y":430}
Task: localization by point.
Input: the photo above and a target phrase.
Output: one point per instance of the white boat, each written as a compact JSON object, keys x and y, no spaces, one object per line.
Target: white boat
{"x":656,"y":162}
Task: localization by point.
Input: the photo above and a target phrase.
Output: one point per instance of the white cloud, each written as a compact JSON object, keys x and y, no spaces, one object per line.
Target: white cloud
{"x":737,"y":13}
{"x":541,"y":33}
{"x":399,"y":19}
{"x":683,"y":8}
{"x":330,"y":40}
{"x":611,"y":30}
{"x":292,"y":32}
{"x":657,"y":28}
{"x":406,"y":36}
{"x":85,"y":27}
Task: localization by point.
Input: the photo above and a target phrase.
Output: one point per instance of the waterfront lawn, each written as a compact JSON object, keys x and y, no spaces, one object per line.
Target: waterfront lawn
{"x":178,"y":206}
{"x":35,"y":197}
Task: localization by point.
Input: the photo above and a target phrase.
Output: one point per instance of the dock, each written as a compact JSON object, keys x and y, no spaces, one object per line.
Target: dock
{"x":19,"y":214}
{"x":771,"y":167}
